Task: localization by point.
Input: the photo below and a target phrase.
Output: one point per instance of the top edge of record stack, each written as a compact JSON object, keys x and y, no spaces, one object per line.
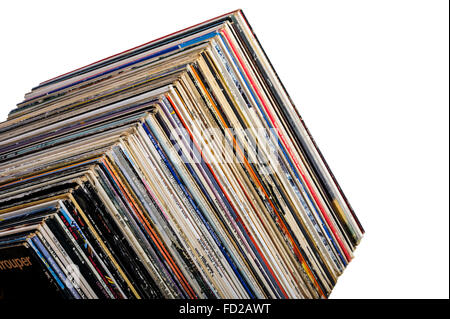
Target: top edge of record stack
{"x":177,"y":169}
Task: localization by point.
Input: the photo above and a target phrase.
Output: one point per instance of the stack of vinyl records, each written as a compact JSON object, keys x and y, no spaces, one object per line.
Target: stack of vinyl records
{"x":177,"y":169}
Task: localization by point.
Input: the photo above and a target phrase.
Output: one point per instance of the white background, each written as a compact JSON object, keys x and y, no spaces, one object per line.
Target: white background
{"x":370,"y":78}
